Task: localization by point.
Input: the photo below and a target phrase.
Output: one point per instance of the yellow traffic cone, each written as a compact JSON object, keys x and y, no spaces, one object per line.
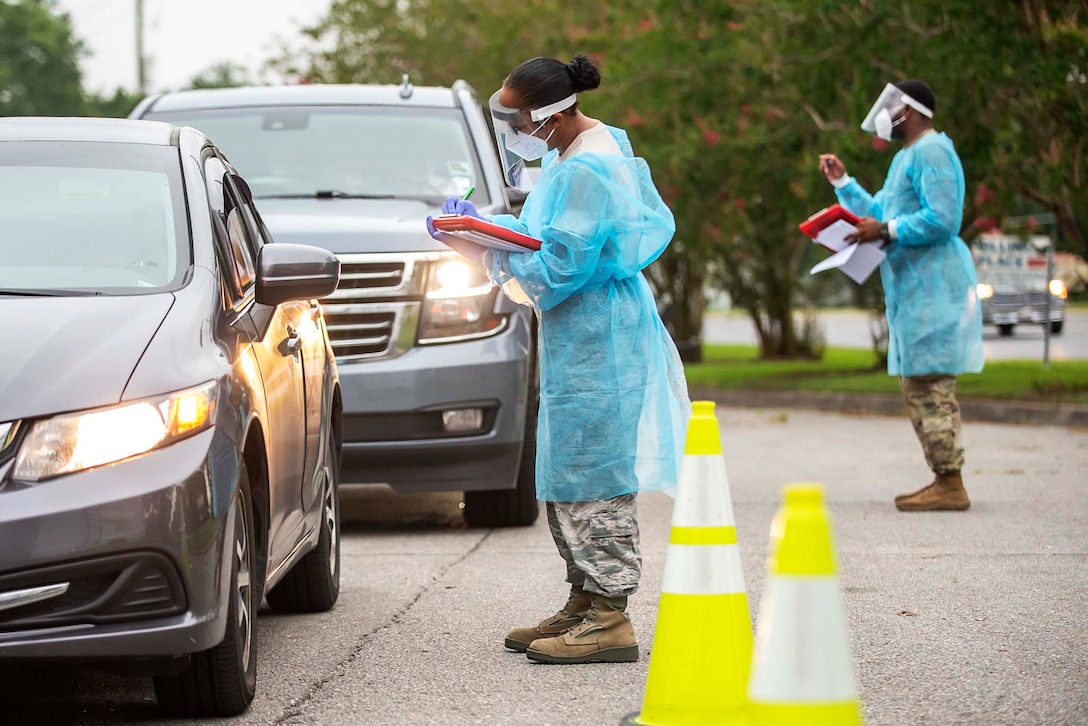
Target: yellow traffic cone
{"x":702,"y":646}
{"x":802,"y":672}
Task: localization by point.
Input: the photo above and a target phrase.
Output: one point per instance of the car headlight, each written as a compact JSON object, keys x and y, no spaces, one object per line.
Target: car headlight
{"x":985,"y":291}
{"x":459,"y":303}
{"x":74,"y":442}
{"x":1057,"y":289}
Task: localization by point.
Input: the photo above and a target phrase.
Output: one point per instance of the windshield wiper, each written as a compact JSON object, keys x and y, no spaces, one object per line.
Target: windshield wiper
{"x":49,"y":293}
{"x":325,"y":194}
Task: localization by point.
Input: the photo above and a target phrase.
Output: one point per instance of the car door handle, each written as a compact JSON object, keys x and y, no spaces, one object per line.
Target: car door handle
{"x":293,"y":343}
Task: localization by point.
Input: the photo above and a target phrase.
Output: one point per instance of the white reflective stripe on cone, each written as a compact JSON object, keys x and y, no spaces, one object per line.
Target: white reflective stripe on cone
{"x":802,"y":650}
{"x":703,"y":570}
{"x":702,"y":499}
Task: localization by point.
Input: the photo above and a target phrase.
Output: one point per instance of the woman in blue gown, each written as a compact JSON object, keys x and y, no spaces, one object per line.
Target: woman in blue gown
{"x":613,"y":400}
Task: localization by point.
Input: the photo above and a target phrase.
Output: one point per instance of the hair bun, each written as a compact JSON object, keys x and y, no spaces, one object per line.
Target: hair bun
{"x":583,"y":73}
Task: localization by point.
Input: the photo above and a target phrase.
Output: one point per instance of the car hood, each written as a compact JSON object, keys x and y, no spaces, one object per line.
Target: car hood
{"x":72,"y":353}
{"x":351,"y":225}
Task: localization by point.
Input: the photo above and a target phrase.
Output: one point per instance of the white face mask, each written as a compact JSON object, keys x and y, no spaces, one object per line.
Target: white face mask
{"x":884,"y":124}
{"x":527,"y":146}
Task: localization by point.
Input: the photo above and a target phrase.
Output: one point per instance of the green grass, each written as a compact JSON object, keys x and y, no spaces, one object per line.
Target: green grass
{"x":851,"y":370}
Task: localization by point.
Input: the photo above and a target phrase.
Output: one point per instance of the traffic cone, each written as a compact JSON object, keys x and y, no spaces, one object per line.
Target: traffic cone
{"x":802,"y":672}
{"x":702,"y":647}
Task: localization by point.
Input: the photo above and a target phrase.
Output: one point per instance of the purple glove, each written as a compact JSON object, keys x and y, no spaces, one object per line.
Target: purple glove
{"x":434,"y":232}
{"x":457,"y":205}
{"x":471,"y":250}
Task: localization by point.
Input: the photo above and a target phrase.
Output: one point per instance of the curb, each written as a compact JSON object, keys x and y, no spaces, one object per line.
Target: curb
{"x":971,"y":409}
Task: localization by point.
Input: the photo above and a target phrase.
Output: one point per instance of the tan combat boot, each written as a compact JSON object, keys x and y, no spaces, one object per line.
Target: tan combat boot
{"x":570,"y":615}
{"x":945,"y":493}
{"x":605,"y":636}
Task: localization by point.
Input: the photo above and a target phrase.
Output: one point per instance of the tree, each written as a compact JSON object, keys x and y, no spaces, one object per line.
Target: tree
{"x":118,"y":105}
{"x":1010,"y":84}
{"x":1011,"y":80}
{"x":39,"y":61}
{"x":222,"y":75}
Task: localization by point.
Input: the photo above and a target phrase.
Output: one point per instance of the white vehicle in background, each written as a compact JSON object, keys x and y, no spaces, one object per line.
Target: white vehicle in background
{"x":1013,"y":283}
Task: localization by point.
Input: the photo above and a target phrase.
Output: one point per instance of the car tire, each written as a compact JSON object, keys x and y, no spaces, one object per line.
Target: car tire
{"x":1006,"y":329}
{"x":1056,"y":326}
{"x":517,"y":507}
{"x":222,"y":680}
{"x":313,"y":584}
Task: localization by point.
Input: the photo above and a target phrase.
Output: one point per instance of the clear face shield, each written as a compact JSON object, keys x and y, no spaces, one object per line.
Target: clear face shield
{"x":881,"y":117}
{"x":515,"y":138}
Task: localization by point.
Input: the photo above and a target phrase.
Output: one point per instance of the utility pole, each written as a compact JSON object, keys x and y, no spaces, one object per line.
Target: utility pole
{"x":141,"y":80}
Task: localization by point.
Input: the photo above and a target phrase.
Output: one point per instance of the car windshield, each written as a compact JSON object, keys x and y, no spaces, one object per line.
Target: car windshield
{"x":344,"y":152}
{"x":90,"y":218}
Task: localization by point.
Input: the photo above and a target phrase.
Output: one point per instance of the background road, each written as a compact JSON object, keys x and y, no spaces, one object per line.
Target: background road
{"x":850,"y":329}
{"x":955,"y":618}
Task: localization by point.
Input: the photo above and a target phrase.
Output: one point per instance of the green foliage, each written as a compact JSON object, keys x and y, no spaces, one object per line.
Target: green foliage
{"x":39,"y":61}
{"x":117,"y":105}
{"x":849,"y":370}
{"x":222,"y":75}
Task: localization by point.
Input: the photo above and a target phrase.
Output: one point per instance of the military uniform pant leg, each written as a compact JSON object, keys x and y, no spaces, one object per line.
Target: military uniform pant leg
{"x":601,"y":540}
{"x":935,"y":415}
{"x":574,"y":575}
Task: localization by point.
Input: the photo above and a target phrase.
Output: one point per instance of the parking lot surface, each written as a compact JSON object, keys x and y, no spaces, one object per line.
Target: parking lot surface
{"x":954,"y":618}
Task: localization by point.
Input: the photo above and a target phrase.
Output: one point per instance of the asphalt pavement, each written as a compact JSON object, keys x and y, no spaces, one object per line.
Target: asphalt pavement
{"x":850,"y":329}
{"x":974,"y":617}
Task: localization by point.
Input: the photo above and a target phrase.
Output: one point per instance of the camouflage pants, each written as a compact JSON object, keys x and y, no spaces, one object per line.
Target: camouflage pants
{"x":599,"y":542}
{"x":935,"y":413}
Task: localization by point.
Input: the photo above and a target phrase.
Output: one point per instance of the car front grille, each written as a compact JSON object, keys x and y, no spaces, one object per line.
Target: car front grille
{"x":360,"y":334}
{"x":374,"y":312}
{"x":371,"y":275}
{"x":1006,"y":302}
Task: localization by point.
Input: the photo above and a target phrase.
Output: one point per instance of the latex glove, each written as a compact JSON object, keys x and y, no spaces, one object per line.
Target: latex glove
{"x":434,"y":232}
{"x":471,"y":250}
{"x":457,"y":205}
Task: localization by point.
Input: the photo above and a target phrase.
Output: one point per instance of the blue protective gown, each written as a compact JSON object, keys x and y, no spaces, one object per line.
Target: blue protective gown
{"x":613,"y":400}
{"x":934,"y":316}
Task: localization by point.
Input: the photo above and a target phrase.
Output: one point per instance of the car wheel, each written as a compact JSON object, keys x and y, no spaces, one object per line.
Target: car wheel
{"x":221,"y":681}
{"x":313,"y":584}
{"x":1005,"y":329}
{"x":517,"y":507}
{"x":1056,"y":326}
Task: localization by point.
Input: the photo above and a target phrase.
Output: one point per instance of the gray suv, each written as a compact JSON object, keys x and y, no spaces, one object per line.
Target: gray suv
{"x":437,"y":365}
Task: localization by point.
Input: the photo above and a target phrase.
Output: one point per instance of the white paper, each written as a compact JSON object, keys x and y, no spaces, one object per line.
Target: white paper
{"x":857,"y":261}
{"x":833,"y":236}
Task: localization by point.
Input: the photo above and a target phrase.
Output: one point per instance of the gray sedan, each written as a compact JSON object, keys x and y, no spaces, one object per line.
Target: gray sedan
{"x":169,"y":410}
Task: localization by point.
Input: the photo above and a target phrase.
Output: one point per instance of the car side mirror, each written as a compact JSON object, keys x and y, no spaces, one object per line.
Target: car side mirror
{"x":287,"y":272}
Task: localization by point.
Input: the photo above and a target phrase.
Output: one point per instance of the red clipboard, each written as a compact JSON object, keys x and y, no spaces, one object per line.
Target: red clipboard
{"x":832,"y":217}
{"x":485,"y":233}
